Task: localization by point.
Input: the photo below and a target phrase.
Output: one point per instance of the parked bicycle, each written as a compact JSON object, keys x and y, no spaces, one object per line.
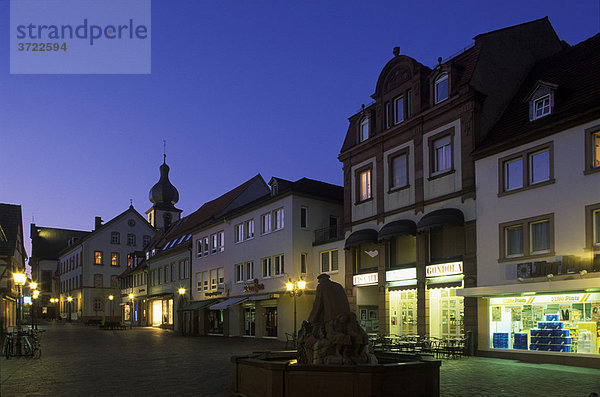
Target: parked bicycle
{"x":22,"y":343}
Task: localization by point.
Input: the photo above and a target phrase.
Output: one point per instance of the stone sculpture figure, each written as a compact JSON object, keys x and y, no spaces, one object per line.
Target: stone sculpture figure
{"x":332,"y":334}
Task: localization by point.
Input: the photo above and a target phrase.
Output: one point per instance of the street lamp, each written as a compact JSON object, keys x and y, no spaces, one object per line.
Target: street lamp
{"x":36,"y":294}
{"x":20,"y":279}
{"x":69,"y":299}
{"x":110,"y":298}
{"x":295,"y":290}
{"x":181,"y":292}
{"x":131,"y":310}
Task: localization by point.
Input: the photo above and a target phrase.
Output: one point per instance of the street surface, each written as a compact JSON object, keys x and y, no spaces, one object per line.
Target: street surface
{"x":86,"y":361}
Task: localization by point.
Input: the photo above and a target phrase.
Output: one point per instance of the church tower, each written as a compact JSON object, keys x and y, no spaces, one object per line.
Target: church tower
{"x":163,"y":196}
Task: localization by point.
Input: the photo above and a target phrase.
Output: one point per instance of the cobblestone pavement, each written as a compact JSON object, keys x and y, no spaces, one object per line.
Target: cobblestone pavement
{"x":86,"y":361}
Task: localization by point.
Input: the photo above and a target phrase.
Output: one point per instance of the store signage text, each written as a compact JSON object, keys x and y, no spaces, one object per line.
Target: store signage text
{"x":365,"y":279}
{"x":254,"y":286}
{"x":537,"y":299}
{"x":401,"y":274}
{"x":444,"y":269}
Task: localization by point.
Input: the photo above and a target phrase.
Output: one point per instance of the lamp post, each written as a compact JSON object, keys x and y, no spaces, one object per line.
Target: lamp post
{"x":110,"y":298}
{"x":131,"y":311}
{"x":36,"y":294}
{"x":54,"y":301}
{"x":20,"y":279}
{"x":295,"y":289}
{"x":69,"y":299}
{"x":181,"y":292}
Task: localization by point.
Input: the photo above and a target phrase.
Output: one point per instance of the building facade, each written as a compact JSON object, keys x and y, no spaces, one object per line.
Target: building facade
{"x":409,"y":181}
{"x":89,"y":268}
{"x":46,"y":244}
{"x":538,"y":216}
{"x":12,"y":260}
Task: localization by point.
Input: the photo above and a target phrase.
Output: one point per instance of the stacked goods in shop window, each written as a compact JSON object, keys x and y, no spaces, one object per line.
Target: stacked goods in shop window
{"x":550,"y":335}
{"x":500,"y":340}
{"x":520,"y":341}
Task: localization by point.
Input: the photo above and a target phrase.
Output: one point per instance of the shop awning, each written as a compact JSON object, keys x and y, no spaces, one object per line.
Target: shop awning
{"x":584,"y":284}
{"x":226,"y":303}
{"x":197,"y":305}
{"x":361,"y":237}
{"x":443,"y":217}
{"x":398,"y":228}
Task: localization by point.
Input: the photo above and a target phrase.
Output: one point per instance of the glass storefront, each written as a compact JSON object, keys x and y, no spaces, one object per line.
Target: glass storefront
{"x":568,"y":323}
{"x":446,"y":313}
{"x":271,"y":321}
{"x":249,"y":321}
{"x":403,"y":312}
{"x":162,"y":312}
{"x":215,"y":322}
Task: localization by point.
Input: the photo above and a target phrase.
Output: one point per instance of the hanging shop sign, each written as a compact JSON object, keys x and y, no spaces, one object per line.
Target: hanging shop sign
{"x":444,"y":269}
{"x":365,"y":279}
{"x":254,"y":286}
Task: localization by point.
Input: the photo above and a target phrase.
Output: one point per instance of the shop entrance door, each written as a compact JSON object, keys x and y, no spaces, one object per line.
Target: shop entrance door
{"x":447,"y":312}
{"x":271,"y":321}
{"x":403,"y":312}
{"x":249,"y":321}
{"x":156,"y":313}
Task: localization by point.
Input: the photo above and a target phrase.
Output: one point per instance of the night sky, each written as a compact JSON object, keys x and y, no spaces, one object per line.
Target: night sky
{"x":237,"y":88}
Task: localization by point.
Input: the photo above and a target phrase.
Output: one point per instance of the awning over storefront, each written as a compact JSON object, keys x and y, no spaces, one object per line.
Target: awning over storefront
{"x":161,"y":295}
{"x":584,"y":284}
{"x":361,"y":237}
{"x":197,"y":305}
{"x":443,"y":217}
{"x":226,"y":303}
{"x":398,"y":228}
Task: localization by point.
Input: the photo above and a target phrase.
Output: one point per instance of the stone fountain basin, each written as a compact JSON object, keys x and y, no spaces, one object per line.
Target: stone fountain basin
{"x":276,"y":374}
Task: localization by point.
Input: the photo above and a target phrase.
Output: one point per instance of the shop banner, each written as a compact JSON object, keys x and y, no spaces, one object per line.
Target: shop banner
{"x":365,"y":279}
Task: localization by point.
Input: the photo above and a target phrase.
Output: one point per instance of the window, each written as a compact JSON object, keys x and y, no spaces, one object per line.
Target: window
{"x":592,"y":227}
{"x":98,"y":258}
{"x":146,"y":240}
{"x":173,"y":271}
{"x":526,"y":169}
{"x":446,"y":244}
{"x":131,"y":239}
{"x":527,"y":237}
{"x":398,"y":110}
{"x":442,"y":154}
{"x":592,"y":150}
{"x":249,"y":270}
{"x":266,"y":267}
{"x":221,"y":275}
{"x":441,"y":88}
{"x":221,"y":241}
{"x":265,"y":221}
{"x":115,"y":238}
{"x":205,"y":280}
{"x":278,"y":265}
{"x":114,"y":281}
{"x":198,"y":282}
{"x":278,"y":219}
{"x":213,"y":243}
{"x":249,"y":229}
{"x":303,"y":261}
{"x":98,"y":280}
{"x":303,"y":217}
{"x":398,"y":168}
{"x":199,"y":248}
{"x":205,"y":246}
{"x":114,"y":259}
{"x":364,"y":130}
{"x":213,"y":279}
{"x":541,"y":107}
{"x":167,"y":273}
{"x":239,"y":232}
{"x":363,"y":184}
{"x":403,"y":251}
{"x":98,"y":304}
{"x":239,"y":273}
{"x":329,"y":261}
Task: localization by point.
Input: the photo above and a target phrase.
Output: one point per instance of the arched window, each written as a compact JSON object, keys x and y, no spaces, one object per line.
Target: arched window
{"x":364,"y":129}
{"x":441,"y":88}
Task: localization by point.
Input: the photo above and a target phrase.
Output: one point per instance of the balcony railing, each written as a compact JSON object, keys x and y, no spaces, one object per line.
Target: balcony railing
{"x":566,"y":265}
{"x":327,"y":234}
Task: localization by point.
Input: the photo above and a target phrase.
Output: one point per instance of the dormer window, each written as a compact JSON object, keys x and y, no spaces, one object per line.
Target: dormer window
{"x":364,"y":129}
{"x":541,"y":100}
{"x":541,"y":107}
{"x":441,"y":88}
{"x":398,"y":109}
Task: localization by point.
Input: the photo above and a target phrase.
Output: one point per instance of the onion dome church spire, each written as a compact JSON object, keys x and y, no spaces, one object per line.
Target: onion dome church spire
{"x":163,"y":196}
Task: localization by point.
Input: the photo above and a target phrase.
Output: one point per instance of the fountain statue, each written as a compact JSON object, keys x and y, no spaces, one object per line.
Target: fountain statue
{"x":332,"y":334}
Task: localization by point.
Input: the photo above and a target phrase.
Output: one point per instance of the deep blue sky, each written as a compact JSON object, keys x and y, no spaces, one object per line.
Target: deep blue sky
{"x":237,"y":88}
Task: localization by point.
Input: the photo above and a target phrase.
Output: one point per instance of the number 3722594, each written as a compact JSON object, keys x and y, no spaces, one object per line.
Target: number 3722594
{"x":42,"y":47}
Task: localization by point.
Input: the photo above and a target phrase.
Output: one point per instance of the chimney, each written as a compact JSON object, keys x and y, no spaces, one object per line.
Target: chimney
{"x":98,"y":223}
